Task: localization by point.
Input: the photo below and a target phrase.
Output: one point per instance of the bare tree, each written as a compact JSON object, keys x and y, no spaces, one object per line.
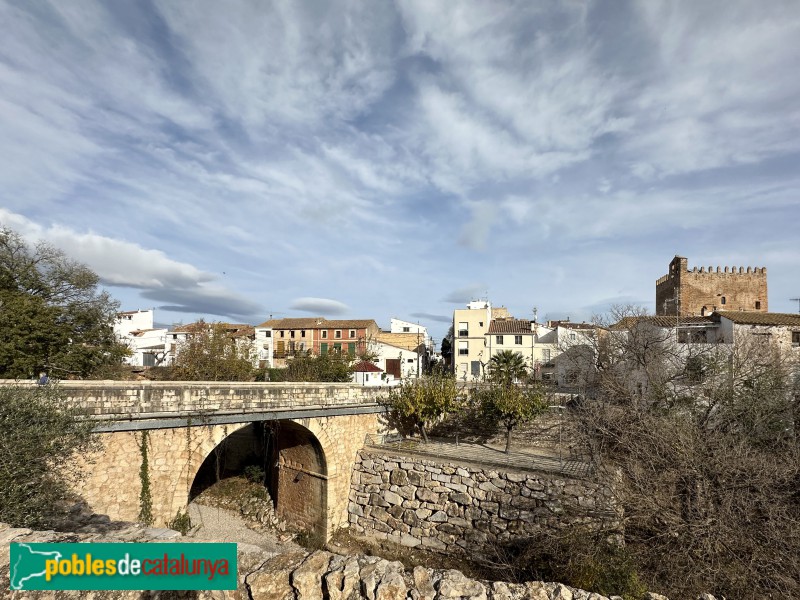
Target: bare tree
{"x":702,"y":439}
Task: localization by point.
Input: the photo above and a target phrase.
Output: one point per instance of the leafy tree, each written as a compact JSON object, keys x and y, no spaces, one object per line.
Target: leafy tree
{"x":423,"y":400}
{"x":511,"y":404}
{"x":52,"y":317}
{"x":506,"y":367}
{"x":333,"y":367}
{"x":39,"y":439}
{"x":211,"y":354}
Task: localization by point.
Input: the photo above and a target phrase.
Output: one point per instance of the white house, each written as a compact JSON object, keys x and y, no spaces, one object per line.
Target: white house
{"x":147,"y":344}
{"x":369,"y":374}
{"x":264,"y":346}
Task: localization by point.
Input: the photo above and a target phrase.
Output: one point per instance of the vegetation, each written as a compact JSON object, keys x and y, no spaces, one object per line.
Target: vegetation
{"x":334,"y":367}
{"x":52,"y":316}
{"x":511,"y":404}
{"x":703,"y":439}
{"x":507,"y":367}
{"x":211,"y":354}
{"x":418,"y":402}
{"x":40,"y":436}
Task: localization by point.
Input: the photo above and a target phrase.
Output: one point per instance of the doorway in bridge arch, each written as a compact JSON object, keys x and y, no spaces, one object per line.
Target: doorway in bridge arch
{"x":299,"y":477}
{"x":294,"y":466}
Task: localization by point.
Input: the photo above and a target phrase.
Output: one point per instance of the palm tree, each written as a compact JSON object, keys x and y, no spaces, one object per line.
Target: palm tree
{"x":506,"y":367}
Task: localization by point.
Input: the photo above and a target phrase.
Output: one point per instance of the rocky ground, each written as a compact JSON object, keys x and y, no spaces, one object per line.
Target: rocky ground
{"x":300,"y":575}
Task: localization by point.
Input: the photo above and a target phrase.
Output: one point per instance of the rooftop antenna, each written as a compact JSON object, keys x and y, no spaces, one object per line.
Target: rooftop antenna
{"x":798,"y":303}
{"x":535,"y":313}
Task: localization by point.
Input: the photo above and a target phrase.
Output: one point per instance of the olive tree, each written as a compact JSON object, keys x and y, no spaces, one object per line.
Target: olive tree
{"x":421,"y":401}
{"x":40,"y":436}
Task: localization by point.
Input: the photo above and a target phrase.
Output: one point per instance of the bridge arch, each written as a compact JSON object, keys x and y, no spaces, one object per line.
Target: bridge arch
{"x":290,"y":453}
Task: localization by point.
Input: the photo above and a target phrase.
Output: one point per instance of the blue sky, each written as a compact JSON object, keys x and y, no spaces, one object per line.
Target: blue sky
{"x":232,"y":160}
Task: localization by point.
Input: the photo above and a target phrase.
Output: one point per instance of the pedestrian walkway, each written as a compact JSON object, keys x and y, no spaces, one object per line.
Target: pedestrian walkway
{"x":524,"y":459}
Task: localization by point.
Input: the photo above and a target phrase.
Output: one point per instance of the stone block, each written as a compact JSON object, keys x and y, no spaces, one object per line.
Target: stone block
{"x":392,"y":498}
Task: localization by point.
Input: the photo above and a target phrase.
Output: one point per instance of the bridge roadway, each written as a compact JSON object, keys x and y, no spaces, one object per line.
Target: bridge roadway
{"x":141,"y":405}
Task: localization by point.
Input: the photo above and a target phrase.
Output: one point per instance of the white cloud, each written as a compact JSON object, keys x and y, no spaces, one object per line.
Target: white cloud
{"x":125,"y":264}
{"x":319,"y":306}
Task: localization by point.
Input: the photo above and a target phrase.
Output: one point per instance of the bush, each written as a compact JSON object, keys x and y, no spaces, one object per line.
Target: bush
{"x":40,"y":436}
{"x":585,"y":559}
{"x":181,"y":522}
{"x":254,"y":474}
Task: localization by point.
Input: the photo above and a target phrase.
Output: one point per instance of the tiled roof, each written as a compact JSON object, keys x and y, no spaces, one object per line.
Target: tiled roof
{"x":293,"y":323}
{"x":406,"y":341}
{"x":319,"y":323}
{"x":352,"y":324}
{"x":760,"y":318}
{"x":662,"y":321}
{"x":233,"y":328}
{"x":510,"y":326}
{"x":367,"y":367}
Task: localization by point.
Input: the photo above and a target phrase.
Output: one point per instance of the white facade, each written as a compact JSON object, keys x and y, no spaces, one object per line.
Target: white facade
{"x":147,"y":344}
{"x":264,"y":347}
{"x":410,"y":362}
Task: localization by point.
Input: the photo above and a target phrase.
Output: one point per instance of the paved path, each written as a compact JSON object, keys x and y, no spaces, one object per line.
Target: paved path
{"x":526,"y":459}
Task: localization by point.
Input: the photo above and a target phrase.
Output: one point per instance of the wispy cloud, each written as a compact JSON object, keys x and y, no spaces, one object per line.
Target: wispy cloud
{"x":251,"y":153}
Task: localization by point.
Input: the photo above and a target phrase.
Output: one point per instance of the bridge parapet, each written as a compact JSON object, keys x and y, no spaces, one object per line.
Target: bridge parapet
{"x":217,"y":401}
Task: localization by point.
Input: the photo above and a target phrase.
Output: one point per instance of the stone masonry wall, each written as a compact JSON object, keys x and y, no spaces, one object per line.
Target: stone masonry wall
{"x":452,"y":508}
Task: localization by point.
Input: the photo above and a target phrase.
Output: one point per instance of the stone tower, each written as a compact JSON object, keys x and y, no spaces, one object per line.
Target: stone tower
{"x":700,"y":292}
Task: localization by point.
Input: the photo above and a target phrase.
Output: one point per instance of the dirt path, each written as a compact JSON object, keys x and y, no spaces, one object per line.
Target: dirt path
{"x":221,"y":525}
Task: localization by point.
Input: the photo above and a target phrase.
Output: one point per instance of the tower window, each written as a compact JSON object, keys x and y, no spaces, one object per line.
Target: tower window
{"x":758,"y":304}
{"x":722,"y":300}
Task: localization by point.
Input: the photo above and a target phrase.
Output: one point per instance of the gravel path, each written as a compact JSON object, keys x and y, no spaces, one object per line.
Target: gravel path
{"x":221,"y":525}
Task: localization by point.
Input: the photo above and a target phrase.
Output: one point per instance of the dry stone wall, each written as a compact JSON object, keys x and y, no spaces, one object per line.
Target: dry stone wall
{"x":451,"y":508}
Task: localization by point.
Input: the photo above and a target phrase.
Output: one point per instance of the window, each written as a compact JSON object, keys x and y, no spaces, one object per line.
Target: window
{"x":352,"y":334}
{"x":796,"y":338}
{"x":518,"y":340}
{"x":302,"y":333}
{"x":323,"y":348}
{"x":475,"y":366}
{"x":410,"y":360}
{"x":267,"y":334}
{"x":758,"y":305}
{"x":325,"y":335}
{"x":337,"y":334}
{"x":722,"y":300}
{"x":498,"y":339}
{"x":480,"y":323}
{"x":291,"y":333}
{"x":282,"y":332}
{"x":463,"y":330}
{"x":463,"y":348}
{"x":406,"y":329}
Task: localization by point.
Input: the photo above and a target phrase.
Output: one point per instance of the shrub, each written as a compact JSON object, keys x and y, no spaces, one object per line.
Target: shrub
{"x":40,"y":435}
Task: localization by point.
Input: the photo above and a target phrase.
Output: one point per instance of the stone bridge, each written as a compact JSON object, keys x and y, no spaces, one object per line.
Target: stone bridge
{"x":177,"y":438}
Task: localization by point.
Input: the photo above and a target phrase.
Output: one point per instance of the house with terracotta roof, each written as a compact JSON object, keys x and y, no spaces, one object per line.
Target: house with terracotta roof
{"x":781,"y":329}
{"x":368,"y":373}
{"x":316,"y":336}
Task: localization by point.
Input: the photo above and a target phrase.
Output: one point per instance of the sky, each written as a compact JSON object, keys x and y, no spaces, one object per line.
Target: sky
{"x":236,"y":160}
